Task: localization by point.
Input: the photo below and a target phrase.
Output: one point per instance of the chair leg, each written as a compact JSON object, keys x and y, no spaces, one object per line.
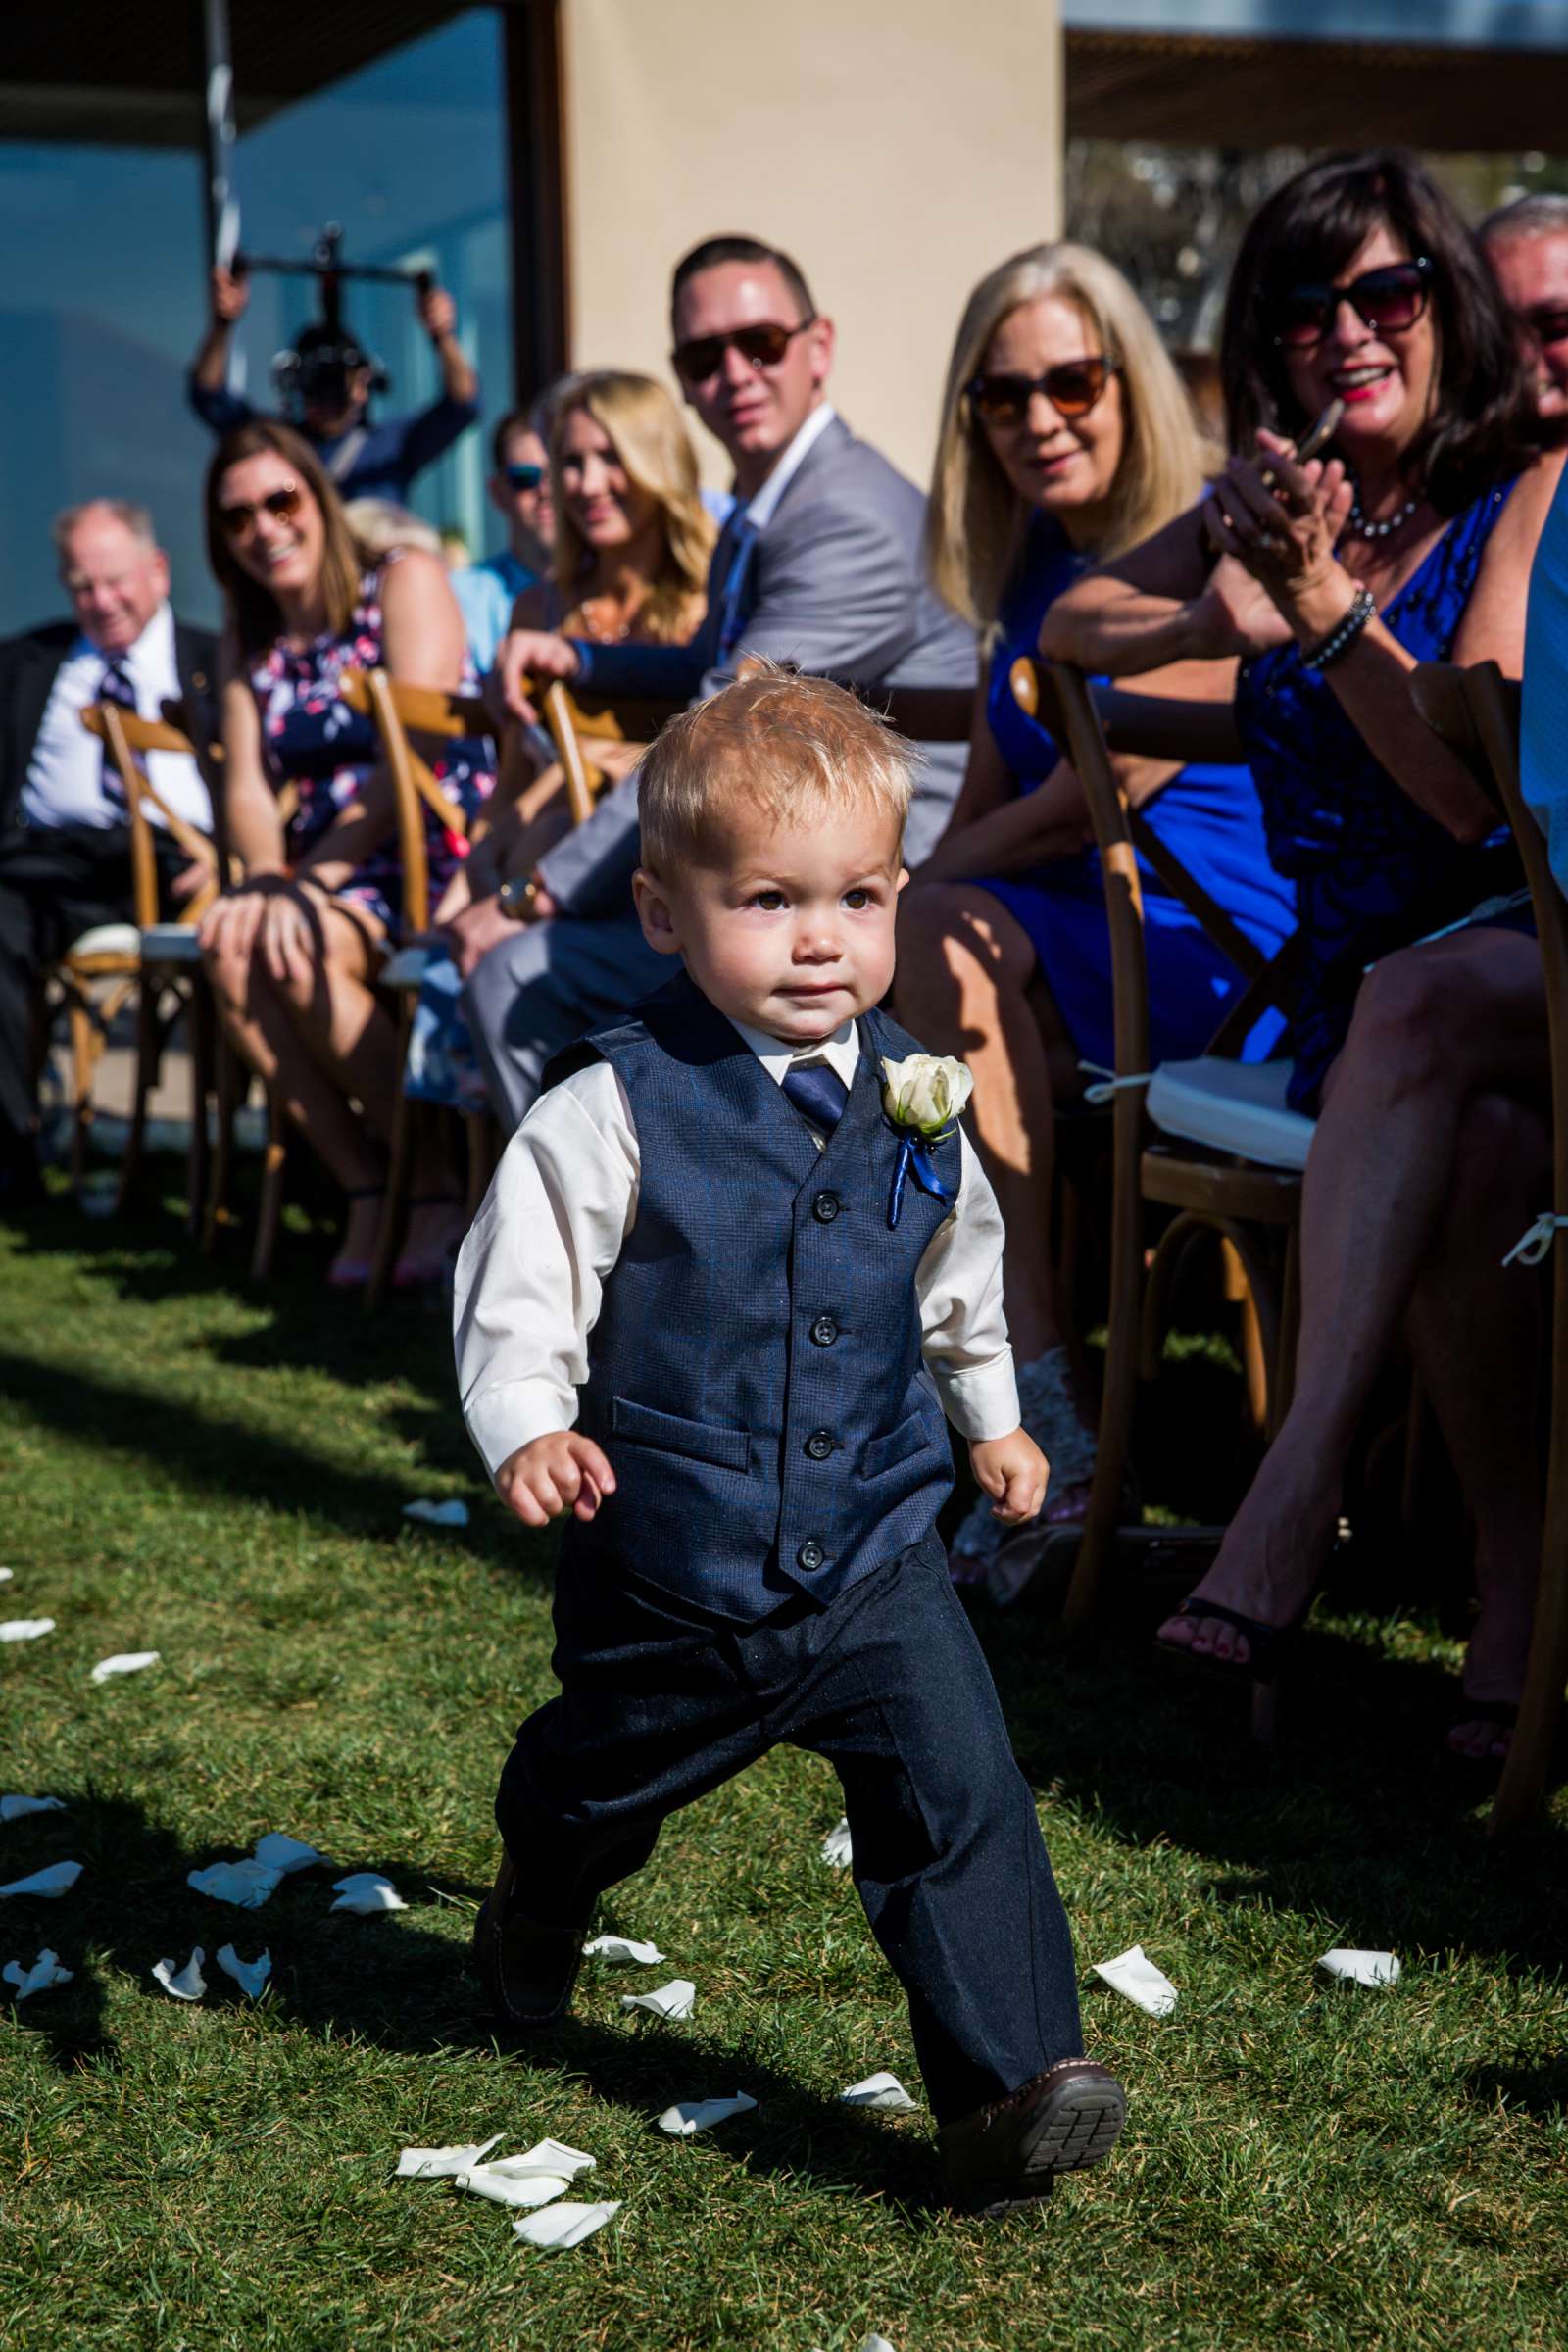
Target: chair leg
{"x":1528,"y":1763}
{"x":399,"y":1175}
{"x":230,"y":1090}
{"x":83,"y":1056}
{"x":1120,"y":1391}
{"x":148,"y":1057}
{"x":199,"y":1030}
{"x":274,"y":1164}
{"x":1283,"y":1384}
{"x":1254,"y":1360}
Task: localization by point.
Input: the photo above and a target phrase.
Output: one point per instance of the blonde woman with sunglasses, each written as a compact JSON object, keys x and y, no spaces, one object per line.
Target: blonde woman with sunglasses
{"x":1065,"y":437}
{"x":294,"y":950}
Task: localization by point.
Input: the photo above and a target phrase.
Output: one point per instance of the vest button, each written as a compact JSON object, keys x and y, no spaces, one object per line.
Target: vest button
{"x":825,"y":1208}
{"x":810,"y":1554}
{"x":824,"y":1331}
{"x":820,"y":1444}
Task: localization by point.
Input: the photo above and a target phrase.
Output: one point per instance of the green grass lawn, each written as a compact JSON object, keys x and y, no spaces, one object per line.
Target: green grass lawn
{"x":190,"y":1468}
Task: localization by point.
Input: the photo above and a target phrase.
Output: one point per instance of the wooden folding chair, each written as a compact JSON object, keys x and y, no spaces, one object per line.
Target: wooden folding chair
{"x":1251,"y":1206}
{"x":576,"y":719}
{"x":401,"y":711}
{"x":160,"y":960}
{"x":1476,"y":713}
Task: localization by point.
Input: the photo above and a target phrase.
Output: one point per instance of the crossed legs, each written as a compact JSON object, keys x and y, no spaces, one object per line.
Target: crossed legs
{"x":1427,"y":1161}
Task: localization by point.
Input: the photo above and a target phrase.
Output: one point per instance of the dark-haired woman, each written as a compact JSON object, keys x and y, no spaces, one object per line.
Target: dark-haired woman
{"x":1410,"y":542}
{"x":293,"y":951}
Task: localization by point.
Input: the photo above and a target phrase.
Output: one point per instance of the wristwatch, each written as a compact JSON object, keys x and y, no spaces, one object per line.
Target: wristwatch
{"x":516,"y":899}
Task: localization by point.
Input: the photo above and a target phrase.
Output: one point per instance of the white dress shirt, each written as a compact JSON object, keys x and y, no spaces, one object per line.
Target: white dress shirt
{"x":531,"y":1273}
{"x":64,"y":779}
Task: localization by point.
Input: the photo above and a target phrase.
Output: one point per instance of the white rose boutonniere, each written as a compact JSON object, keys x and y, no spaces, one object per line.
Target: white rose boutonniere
{"x":922,"y":1095}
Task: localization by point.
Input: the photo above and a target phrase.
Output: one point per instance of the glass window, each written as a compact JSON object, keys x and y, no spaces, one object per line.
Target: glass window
{"x":104,"y":300}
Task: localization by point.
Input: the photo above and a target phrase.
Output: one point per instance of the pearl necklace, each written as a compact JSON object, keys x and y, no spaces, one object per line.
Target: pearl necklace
{"x":1358,"y":523}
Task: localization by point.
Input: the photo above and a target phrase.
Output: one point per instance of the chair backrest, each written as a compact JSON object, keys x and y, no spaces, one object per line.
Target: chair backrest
{"x":400,"y":711}
{"x":128,"y":738}
{"x":576,"y":717}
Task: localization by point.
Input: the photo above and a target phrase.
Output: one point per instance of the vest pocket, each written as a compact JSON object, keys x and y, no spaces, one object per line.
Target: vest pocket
{"x":898,"y":1444}
{"x":671,"y":1432}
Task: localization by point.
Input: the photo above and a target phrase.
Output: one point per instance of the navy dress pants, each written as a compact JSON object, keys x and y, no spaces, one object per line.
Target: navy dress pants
{"x":660,"y":1703}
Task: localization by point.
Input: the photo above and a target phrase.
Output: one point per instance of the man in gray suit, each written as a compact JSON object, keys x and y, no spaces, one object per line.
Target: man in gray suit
{"x":821,"y":564}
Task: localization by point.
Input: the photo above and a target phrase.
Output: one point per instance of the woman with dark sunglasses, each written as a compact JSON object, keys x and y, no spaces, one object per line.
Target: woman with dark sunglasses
{"x":1065,"y":436}
{"x":293,"y":950}
{"x":1410,"y":541}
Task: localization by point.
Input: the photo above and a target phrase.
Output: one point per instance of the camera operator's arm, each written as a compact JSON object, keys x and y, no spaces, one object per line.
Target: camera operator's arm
{"x":210,"y":396}
{"x":438,"y":314}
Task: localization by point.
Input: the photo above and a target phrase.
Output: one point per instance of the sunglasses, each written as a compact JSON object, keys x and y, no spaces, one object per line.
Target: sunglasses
{"x":1072,"y":388}
{"x":239,"y":520}
{"x":1389,"y":301}
{"x":524,"y":477}
{"x":761,"y":346}
{"x":1548,"y":322}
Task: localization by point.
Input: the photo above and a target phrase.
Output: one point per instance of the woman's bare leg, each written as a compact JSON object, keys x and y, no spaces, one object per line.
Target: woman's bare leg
{"x":1474,"y":1331}
{"x":260,"y":1028}
{"x":1434,"y":1027}
{"x":965,"y":987}
{"x":341,"y":1020}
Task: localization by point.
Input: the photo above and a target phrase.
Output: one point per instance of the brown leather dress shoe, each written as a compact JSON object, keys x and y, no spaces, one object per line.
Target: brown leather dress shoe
{"x":528,"y":1970}
{"x":1010,"y":2152}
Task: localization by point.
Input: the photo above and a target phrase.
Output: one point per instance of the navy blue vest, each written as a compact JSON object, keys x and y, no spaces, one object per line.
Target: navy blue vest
{"x":754,"y":1376}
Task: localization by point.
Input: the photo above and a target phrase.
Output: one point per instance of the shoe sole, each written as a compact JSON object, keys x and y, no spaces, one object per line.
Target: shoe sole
{"x":1077,"y":2128}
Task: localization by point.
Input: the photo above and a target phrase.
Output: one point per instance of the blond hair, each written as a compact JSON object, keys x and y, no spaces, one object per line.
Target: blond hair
{"x":651,"y":443}
{"x":976,"y":521}
{"x":789,"y":748}
{"x":380,"y":525}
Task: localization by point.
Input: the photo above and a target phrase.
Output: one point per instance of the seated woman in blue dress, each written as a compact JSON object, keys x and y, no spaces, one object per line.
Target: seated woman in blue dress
{"x":1410,"y":542}
{"x":1065,"y":436}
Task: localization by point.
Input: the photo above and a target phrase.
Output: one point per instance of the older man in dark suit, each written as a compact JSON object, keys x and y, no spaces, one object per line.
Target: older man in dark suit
{"x":65,"y":831}
{"x":821,"y":564}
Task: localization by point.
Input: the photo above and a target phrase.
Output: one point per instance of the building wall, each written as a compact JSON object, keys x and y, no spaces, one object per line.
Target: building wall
{"x":898,"y":148}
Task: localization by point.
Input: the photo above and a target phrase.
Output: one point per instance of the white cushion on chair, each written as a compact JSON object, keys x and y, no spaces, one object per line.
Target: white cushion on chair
{"x":108,"y":938}
{"x":1231,"y":1107}
{"x":171,"y":943}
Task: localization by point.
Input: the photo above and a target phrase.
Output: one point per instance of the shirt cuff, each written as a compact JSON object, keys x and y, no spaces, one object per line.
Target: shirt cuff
{"x":981,"y":1402}
{"x":585,"y":660}
{"x":514,"y":1413}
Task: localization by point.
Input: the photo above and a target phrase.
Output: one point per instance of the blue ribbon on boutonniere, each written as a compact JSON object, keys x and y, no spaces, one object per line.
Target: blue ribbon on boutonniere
{"x":914,"y":1157}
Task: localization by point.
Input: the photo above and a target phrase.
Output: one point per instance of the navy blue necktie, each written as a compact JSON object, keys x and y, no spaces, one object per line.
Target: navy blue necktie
{"x":819,"y":1093}
{"x":116,"y":687}
{"x":734,"y":610}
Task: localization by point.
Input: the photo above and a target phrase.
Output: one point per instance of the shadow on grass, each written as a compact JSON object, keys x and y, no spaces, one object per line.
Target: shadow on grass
{"x":1358,"y":1816}
{"x":394,"y":1984}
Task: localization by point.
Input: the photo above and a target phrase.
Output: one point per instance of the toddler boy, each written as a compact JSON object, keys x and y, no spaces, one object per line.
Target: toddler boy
{"x":715,"y":1308}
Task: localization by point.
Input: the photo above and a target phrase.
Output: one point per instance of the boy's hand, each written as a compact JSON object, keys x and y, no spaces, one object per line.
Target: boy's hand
{"x":563,"y":1471}
{"x":1014,"y":1472}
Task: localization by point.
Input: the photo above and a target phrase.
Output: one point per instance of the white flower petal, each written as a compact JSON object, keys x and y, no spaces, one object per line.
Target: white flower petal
{"x":534,"y":2177}
{"x":622,"y":1952}
{"x":6,"y":1574}
{"x":1129,"y":1973}
{"x":837,"y":1848}
{"x":368,"y":1891}
{"x":16,"y":1808}
{"x":879,"y":2090}
{"x":244,"y":1883}
{"x":673,"y":2000}
{"x":26,"y":1629}
{"x":124,"y":1661}
{"x":557,"y":2226}
{"x":278,"y":1851}
{"x":248,"y":1975}
{"x":188,"y":1983}
{"x":58,"y":1879}
{"x":44,"y":1974}
{"x":691,"y":2116}
{"x":441,"y":2164}
{"x":1350,"y":1966}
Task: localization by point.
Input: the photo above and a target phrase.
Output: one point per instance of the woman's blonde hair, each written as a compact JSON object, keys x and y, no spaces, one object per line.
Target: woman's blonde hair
{"x":976,"y":521}
{"x":651,"y":443}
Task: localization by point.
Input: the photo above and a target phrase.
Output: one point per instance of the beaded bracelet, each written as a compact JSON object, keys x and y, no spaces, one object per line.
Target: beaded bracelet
{"x":1339,"y":641}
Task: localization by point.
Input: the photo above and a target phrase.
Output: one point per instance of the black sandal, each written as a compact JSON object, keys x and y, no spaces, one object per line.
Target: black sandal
{"x":1269,"y":1644}
{"x":1503,"y":1712}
